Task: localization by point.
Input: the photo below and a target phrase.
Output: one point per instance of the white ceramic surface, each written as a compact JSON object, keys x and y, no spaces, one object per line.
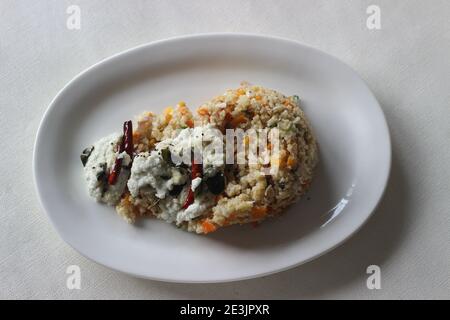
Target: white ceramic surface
{"x":354,"y":165}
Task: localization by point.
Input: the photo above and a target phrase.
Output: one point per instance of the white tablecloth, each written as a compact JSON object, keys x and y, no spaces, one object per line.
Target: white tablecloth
{"x":405,"y":63}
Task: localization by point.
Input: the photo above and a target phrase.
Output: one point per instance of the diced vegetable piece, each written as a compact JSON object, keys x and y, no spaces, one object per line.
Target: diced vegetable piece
{"x":291,"y":162}
{"x":101,"y":175}
{"x":190,"y":123}
{"x":203,"y":111}
{"x":167,"y":156}
{"x":168,"y":112}
{"x":237,"y":120}
{"x":85,"y":155}
{"x":208,"y":226}
{"x":216,"y":184}
{"x":259,"y":212}
{"x":176,"y":189}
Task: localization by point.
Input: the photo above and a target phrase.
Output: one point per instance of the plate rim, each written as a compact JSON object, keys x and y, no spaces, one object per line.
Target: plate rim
{"x":53,"y":103}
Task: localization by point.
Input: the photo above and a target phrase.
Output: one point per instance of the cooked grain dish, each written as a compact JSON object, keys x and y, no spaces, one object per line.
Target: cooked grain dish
{"x":149,"y":173}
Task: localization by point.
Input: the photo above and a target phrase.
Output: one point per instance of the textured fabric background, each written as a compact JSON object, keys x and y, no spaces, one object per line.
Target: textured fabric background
{"x":406,"y":64}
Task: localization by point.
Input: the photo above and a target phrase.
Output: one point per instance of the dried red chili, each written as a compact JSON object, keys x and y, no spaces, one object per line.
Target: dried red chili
{"x":127,"y":146}
{"x":195,"y":173}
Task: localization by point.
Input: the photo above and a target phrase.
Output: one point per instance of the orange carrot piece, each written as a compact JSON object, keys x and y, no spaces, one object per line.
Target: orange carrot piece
{"x":190,"y":123}
{"x":203,"y":112}
{"x":238,"y":120}
{"x":208,"y":227}
{"x":259,"y":212}
{"x":291,"y":162}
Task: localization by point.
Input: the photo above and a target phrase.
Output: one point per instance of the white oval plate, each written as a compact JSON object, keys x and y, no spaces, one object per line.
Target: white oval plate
{"x":349,"y":124}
